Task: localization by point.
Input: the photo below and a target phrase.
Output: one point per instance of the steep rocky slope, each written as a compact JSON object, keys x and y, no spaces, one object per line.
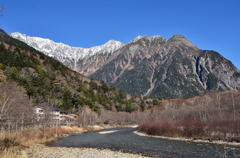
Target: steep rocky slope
{"x":156,"y":67}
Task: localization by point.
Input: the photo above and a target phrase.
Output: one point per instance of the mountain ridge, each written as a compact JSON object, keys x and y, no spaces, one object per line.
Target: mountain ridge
{"x":65,"y":53}
{"x":158,"y":67}
{"x":47,"y":82}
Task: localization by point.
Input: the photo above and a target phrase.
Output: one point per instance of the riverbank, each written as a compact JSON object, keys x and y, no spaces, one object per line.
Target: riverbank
{"x":30,"y":143}
{"x":220,"y":142}
{"x":42,"y":151}
{"x":13,"y":144}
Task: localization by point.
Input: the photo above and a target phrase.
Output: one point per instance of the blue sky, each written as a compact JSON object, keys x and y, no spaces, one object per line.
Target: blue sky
{"x":209,"y":24}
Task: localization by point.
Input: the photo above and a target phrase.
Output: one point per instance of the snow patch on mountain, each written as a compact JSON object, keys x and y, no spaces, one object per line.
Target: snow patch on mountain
{"x":150,"y":38}
{"x":62,"y":51}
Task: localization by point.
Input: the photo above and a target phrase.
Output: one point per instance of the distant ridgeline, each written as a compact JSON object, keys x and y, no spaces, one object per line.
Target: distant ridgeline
{"x":147,"y":66}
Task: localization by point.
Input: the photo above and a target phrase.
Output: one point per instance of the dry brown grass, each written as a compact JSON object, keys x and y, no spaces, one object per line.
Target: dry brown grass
{"x":12,"y":143}
{"x":30,"y":136}
{"x":13,"y":154}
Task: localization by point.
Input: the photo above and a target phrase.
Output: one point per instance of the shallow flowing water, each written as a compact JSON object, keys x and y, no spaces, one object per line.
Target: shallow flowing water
{"x":123,"y":139}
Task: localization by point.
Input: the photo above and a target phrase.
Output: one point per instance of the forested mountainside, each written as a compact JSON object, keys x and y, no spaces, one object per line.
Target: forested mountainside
{"x":46,"y":81}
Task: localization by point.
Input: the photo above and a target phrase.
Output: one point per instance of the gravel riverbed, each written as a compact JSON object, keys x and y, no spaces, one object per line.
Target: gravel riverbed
{"x":42,"y":151}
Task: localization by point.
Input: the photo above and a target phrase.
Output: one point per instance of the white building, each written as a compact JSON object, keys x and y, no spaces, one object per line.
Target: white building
{"x":53,"y":114}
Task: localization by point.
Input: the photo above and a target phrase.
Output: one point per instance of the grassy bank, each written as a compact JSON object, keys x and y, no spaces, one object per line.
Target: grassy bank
{"x":196,"y":129}
{"x":11,"y":144}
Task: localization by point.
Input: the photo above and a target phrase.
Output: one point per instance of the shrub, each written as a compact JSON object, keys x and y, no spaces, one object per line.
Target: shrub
{"x":224,"y":130}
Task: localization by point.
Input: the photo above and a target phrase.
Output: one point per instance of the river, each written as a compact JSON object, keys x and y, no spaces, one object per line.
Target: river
{"x":123,"y":139}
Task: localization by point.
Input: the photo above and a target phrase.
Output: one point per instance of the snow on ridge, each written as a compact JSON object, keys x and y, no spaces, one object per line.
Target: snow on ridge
{"x":62,"y":51}
{"x":150,"y":38}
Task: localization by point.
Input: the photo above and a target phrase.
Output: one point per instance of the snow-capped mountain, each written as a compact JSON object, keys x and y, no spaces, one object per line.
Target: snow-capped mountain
{"x":66,"y":54}
{"x":147,"y":66}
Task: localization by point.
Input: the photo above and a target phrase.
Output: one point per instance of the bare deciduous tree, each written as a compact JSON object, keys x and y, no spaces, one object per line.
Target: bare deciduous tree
{"x":15,"y":107}
{"x":233,"y":105}
{"x":86,"y":116}
{"x":219,"y":106}
{"x":5,"y":103}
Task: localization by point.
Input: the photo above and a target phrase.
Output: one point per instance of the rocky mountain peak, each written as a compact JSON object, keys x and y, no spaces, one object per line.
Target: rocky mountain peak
{"x":182,"y":40}
{"x":109,"y":46}
{"x":18,"y":35}
{"x":149,"y":38}
{"x":177,"y":37}
{"x":113,"y":42}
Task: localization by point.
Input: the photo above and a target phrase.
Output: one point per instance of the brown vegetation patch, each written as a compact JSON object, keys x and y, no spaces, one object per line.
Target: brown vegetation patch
{"x":12,"y":143}
{"x":212,"y":130}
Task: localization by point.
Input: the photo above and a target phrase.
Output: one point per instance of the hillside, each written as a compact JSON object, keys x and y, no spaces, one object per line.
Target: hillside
{"x":151,"y":66}
{"x":48,"y":82}
{"x":174,"y":68}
